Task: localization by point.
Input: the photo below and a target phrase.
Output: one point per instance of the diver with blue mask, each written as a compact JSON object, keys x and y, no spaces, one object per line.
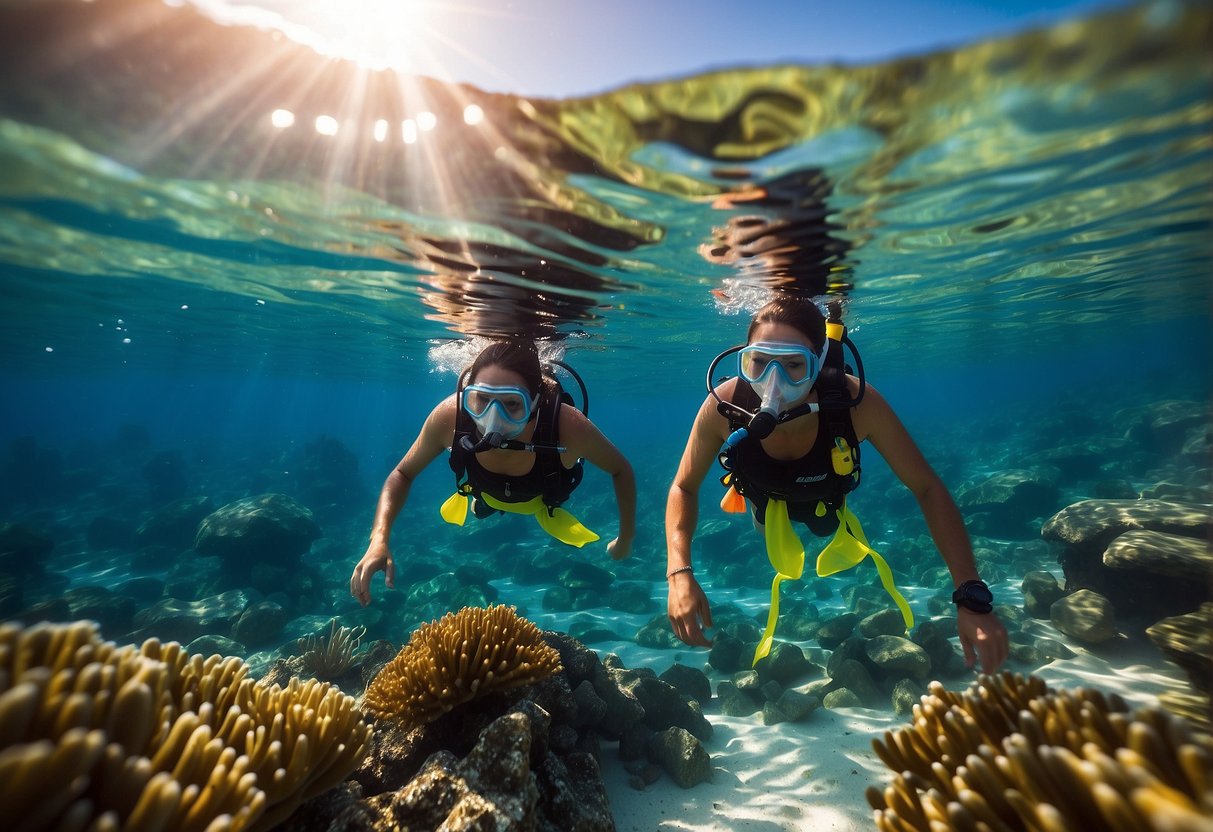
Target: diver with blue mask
{"x":517,"y":444}
{"x":787,"y":429}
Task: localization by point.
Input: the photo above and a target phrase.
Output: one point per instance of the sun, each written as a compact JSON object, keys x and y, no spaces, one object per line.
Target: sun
{"x":379,"y":34}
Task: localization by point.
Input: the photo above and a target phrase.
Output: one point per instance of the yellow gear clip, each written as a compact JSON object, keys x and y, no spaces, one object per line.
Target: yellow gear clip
{"x":841,"y":457}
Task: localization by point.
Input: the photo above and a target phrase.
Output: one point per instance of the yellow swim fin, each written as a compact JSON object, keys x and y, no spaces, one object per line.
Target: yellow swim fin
{"x":565,"y":527}
{"x":560,"y":524}
{"x":786,"y":555}
{"x":848,"y":548}
{"x":455,"y":509}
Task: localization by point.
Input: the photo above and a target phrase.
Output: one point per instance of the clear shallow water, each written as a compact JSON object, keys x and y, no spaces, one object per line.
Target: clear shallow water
{"x":1020,"y":228}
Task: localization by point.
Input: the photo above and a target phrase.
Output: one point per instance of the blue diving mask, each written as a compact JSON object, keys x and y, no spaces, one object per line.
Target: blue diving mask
{"x":780,"y":373}
{"x":501,"y":410}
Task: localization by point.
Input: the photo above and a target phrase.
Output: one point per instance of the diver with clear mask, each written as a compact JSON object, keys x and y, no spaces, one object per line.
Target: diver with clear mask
{"x":517,"y":444}
{"x":787,"y":430}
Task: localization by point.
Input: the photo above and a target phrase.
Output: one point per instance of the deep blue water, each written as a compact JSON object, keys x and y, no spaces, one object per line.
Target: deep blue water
{"x":1020,"y":230}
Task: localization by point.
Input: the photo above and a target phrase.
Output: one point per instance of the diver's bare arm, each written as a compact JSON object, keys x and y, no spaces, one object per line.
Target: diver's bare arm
{"x":682,"y":504}
{"x":876,"y":418}
{"x":584,"y":439}
{"x":437,"y":431}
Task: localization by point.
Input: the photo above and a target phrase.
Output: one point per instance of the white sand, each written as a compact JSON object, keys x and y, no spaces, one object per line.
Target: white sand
{"x":812,"y":775}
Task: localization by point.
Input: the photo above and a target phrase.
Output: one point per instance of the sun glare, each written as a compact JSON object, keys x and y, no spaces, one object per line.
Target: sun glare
{"x":379,"y":34}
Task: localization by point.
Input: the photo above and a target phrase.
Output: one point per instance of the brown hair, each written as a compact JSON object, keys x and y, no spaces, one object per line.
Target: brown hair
{"x":797,"y":312}
{"x":518,"y":356}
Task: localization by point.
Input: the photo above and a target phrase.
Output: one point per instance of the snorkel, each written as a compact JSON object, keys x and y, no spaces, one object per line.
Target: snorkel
{"x":776,"y":389}
{"x":496,"y":428}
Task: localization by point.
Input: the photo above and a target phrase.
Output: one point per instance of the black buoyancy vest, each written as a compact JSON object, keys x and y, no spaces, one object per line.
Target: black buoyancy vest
{"x":809,"y":479}
{"x":548,"y":478}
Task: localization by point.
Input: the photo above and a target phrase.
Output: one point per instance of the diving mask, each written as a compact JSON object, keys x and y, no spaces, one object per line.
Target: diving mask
{"x":780,"y":373}
{"x":501,"y":410}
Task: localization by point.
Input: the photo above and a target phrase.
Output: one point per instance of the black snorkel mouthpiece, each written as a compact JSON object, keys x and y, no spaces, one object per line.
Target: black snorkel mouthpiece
{"x":488,"y":442}
{"x":761,"y":426}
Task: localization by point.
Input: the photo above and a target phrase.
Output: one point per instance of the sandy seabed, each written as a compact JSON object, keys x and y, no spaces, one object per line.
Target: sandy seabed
{"x":812,"y":775}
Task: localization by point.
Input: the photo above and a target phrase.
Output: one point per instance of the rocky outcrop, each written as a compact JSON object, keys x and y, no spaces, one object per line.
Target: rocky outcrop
{"x":1149,"y":558}
{"x":271,"y":528}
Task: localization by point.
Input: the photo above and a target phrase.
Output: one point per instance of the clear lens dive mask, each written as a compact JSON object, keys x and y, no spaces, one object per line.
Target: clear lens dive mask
{"x":779,"y":372}
{"x":503,"y":410}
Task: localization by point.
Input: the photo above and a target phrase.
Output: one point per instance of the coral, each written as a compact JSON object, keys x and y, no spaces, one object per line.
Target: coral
{"x":1013,"y":755}
{"x":453,"y":660}
{"x":97,"y":736}
{"x":328,"y":655}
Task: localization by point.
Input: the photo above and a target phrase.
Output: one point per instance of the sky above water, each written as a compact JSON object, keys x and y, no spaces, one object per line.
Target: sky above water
{"x":565,"y":48}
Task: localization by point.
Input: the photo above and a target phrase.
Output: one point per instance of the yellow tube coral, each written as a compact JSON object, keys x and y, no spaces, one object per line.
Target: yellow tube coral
{"x":1011,"y":755}
{"x":150,"y":738}
{"x":457,"y":658}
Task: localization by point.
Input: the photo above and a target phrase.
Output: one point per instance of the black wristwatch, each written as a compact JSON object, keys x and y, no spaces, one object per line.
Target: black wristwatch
{"x":974,"y":596}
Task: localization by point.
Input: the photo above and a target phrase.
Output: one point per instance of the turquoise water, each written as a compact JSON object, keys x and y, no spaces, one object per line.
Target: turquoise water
{"x":1020,"y":230}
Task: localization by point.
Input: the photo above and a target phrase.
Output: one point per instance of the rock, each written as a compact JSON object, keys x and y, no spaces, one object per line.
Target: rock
{"x":791,"y":706}
{"x":634,"y":742}
{"x":835,"y":630}
{"x":786,"y":663}
{"x":572,"y":795}
{"x":583,"y":575}
{"x":632,"y":596}
{"x":855,"y":677}
{"x":1187,"y":640}
{"x":906,"y":694}
{"x":681,"y":756}
{"x":897,"y":656}
{"x":176,"y":524}
{"x":663,"y":706}
{"x":1051,"y":648}
{"x":270,"y":528}
{"x":261,"y":623}
{"x":1040,"y":591}
{"x":591,"y":632}
{"x":1009,"y":498}
{"x":1161,"y":554}
{"x":727,"y":654}
{"x":114,"y":612}
{"x":1096,"y":523}
{"x":492,"y":788}
{"x":734,"y":702}
{"x":887,"y":622}
{"x":1140,"y":595}
{"x":688,"y":681}
{"x":590,"y":706}
{"x":658,"y":634}
{"x":1084,"y":615}
{"x":841,"y":698}
{"x":171,"y":619}
{"x":933,"y":637}
{"x":215,"y":645}
{"x":191,"y":577}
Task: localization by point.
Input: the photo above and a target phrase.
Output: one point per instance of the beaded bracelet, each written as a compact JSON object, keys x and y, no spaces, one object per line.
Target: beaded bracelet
{"x":674,"y":572}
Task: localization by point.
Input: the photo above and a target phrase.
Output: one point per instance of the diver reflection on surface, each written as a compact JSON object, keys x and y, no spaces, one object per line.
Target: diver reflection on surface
{"x":779,"y":237}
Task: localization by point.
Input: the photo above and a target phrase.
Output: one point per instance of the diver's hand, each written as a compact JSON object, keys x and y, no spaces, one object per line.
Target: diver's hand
{"x":619,"y":549}
{"x":687,"y":607}
{"x":378,"y":558}
{"x":983,"y":638}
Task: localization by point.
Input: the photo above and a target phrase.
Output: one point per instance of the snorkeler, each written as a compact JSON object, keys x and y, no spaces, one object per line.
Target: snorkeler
{"x":787,"y":431}
{"x":517,"y":444}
